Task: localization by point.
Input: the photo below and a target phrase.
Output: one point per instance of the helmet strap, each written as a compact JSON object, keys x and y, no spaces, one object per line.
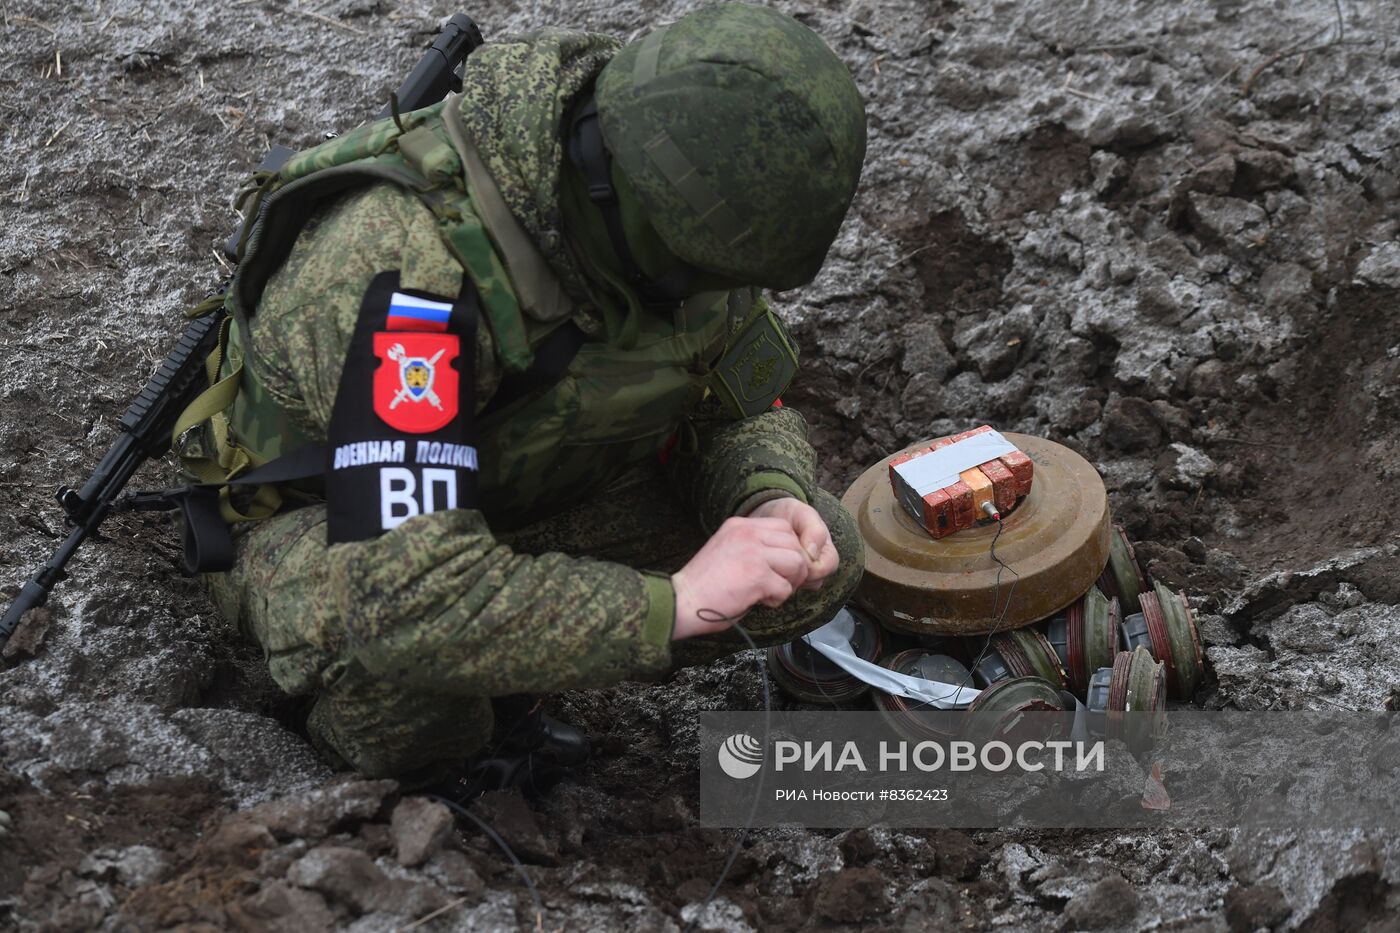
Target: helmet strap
{"x":590,"y":156}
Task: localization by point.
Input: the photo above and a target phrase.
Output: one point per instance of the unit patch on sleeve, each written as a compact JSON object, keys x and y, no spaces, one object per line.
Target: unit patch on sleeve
{"x":401,"y":441}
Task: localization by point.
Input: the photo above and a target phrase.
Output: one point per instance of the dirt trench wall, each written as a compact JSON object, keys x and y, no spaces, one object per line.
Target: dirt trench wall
{"x":1164,"y":234}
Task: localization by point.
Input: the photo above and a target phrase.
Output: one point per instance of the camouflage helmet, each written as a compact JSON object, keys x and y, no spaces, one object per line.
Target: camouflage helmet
{"x":743,"y":135}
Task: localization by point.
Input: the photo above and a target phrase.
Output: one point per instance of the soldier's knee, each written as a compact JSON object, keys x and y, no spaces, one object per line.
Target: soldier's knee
{"x":383,"y":729}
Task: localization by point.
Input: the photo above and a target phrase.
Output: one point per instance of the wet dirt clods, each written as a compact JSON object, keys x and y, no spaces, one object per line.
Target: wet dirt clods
{"x":1164,"y":235}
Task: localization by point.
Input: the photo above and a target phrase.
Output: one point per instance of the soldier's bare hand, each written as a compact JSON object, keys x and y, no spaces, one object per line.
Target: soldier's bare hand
{"x":807,"y":523}
{"x":747,"y":562}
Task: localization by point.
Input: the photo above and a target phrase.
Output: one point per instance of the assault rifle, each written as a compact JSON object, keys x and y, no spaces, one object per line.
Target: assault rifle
{"x":144,"y":431}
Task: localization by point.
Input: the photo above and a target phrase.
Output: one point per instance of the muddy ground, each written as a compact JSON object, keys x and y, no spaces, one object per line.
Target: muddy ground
{"x":1166,"y":235}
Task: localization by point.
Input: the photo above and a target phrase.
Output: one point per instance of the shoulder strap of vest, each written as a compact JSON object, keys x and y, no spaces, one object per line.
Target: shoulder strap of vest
{"x":540,"y":293}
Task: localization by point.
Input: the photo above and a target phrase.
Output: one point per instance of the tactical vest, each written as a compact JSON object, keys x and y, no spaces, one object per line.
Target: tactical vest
{"x":617,"y":404}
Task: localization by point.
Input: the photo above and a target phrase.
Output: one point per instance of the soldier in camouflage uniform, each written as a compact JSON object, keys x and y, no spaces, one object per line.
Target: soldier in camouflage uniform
{"x":736,"y":140}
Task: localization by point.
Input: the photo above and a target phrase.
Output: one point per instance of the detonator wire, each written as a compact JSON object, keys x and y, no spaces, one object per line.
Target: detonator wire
{"x":504,"y":847}
{"x":496,"y":837}
{"x":714,"y":616}
{"x":996,"y":599}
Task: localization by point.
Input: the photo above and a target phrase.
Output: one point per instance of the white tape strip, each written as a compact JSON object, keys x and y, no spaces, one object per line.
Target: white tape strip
{"x":940,"y":468}
{"x":833,"y":640}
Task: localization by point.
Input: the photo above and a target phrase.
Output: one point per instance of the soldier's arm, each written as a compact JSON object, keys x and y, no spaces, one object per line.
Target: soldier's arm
{"x":438,"y":601}
{"x":439,"y":604}
{"x":727,"y":466}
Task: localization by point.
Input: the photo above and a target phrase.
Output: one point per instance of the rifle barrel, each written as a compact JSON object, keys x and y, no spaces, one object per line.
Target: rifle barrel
{"x":36,"y":589}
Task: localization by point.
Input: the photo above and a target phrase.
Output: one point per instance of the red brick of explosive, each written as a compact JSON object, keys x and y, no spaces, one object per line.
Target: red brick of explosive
{"x":1003,"y":482}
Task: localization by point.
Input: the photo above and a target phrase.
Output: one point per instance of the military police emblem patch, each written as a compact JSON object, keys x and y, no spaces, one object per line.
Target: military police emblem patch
{"x":415,"y":386}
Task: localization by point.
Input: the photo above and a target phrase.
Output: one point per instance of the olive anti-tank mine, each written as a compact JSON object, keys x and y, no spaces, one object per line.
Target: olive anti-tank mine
{"x":1054,"y":543}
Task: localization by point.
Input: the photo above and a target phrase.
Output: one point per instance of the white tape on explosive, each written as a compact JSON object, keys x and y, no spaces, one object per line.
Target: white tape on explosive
{"x":833,"y":641}
{"x":939,"y":469}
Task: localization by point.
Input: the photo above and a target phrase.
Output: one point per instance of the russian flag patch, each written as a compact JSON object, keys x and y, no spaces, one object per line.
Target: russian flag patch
{"x":408,"y":312}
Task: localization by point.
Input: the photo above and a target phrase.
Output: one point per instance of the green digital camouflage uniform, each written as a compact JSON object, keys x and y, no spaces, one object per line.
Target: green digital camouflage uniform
{"x":560,"y":579}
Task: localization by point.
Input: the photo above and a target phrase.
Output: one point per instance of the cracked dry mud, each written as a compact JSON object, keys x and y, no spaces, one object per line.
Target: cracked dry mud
{"x":1163,"y":234}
